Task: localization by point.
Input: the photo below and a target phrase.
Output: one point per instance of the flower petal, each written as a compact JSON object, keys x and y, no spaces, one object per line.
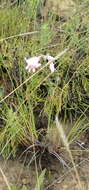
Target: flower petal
{"x":48,"y":57}
{"x":33,"y":63}
{"x":27,"y":67}
{"x":51,"y":66}
{"x":29,"y":70}
{"x":39,"y":64}
{"x":33,"y":69}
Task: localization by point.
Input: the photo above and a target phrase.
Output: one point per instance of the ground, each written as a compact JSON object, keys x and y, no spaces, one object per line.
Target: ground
{"x":58,"y":176}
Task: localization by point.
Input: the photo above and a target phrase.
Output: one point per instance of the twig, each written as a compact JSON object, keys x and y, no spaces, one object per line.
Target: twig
{"x":59,"y":179}
{"x":19,"y":35}
{"x":5,"y":179}
{"x":60,"y":159}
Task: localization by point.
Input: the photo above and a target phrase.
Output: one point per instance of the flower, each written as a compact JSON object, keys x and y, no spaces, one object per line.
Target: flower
{"x":33,"y":63}
{"x":51,"y":64}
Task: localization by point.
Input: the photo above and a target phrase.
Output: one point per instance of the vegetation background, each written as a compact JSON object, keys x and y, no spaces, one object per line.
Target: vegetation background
{"x":30,"y":102}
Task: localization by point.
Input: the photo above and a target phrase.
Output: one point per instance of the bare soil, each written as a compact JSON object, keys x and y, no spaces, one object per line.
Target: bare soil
{"x":59,"y":176}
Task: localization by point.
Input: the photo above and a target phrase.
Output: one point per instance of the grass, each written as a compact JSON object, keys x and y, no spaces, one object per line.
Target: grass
{"x":30,"y":107}
{"x":64,"y":92}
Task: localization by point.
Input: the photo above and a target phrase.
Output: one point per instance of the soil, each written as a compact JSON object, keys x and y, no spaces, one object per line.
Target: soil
{"x":61,"y":8}
{"x":60,"y":174}
{"x":16,"y":174}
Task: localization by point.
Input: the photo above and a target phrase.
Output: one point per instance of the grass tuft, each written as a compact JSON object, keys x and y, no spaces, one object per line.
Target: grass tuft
{"x":32,"y":101}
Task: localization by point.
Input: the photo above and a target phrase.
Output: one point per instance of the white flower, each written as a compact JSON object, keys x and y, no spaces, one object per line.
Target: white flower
{"x":49,"y":57}
{"x":33,"y":63}
{"x":51,"y":65}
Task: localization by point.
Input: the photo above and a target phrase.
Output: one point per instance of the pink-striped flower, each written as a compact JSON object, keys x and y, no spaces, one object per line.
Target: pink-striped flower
{"x":33,"y":63}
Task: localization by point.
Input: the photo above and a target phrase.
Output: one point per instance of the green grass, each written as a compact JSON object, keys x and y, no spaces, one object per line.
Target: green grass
{"x":65,"y":92}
